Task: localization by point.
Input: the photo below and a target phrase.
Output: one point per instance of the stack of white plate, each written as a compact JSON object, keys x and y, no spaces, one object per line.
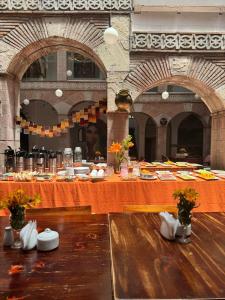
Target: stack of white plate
{"x":81,"y":170}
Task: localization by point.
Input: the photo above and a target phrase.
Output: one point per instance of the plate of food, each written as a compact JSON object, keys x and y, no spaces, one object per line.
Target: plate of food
{"x":147,"y":175}
{"x":186,"y":177}
{"x":169,"y":163}
{"x":208,"y":176}
{"x":129,"y":178}
{"x":167,"y":177}
{"x":163,"y":172}
{"x":182,"y":164}
{"x":156,"y":163}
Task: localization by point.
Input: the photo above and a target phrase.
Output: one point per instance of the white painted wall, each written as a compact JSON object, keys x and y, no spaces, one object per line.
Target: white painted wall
{"x":173,"y":22}
{"x":180,"y":2}
{"x":183,"y":5}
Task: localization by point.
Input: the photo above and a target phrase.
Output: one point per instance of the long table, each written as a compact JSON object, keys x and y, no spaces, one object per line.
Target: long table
{"x":144,"y":265}
{"x":112,"y":194}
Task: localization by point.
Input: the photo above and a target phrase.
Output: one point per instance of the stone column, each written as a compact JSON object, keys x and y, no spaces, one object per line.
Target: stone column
{"x":117,"y":129}
{"x":141,"y":120}
{"x":206,"y":141}
{"x":61,"y":66}
{"x":218,"y":141}
{"x":9,"y":108}
{"x":161,"y":142}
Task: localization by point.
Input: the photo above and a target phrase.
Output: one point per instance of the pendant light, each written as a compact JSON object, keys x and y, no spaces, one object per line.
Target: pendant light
{"x":110,"y":34}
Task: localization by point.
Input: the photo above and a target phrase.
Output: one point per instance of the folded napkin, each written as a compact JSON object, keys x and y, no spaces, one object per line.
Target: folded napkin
{"x":28,"y":235}
{"x":168,"y":226}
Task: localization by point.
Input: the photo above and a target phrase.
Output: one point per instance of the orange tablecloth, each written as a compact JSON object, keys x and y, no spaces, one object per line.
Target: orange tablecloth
{"x":111,"y":195}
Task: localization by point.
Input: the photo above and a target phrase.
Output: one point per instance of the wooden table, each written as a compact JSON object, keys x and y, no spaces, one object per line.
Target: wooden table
{"x":78,"y":269}
{"x":145,"y":266}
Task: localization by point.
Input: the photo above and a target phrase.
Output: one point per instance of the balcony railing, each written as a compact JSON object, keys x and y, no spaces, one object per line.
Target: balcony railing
{"x":65,"y":5}
{"x":178,"y":41}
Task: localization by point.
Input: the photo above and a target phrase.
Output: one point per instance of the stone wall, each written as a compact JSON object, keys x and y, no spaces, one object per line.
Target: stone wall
{"x":218,"y":140}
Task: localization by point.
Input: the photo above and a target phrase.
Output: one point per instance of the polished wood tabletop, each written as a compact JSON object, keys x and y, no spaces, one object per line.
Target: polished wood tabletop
{"x":146,"y":266}
{"x":78,"y":269}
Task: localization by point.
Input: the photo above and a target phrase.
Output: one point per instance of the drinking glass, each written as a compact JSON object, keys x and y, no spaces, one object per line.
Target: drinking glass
{"x":109,"y":170}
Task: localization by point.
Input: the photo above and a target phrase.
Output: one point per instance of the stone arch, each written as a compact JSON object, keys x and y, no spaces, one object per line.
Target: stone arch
{"x":37,"y":37}
{"x":183,"y":115}
{"x":197,"y":74}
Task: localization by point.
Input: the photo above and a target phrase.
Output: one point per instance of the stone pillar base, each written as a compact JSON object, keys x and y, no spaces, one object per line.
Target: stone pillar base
{"x":218,"y":141}
{"x":117,"y":129}
{"x":161,"y":144}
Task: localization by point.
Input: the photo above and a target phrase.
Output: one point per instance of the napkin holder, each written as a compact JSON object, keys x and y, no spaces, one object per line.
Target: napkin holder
{"x":47,"y":240}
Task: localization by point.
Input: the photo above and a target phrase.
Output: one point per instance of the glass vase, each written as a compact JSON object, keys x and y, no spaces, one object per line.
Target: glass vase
{"x":117,"y":166}
{"x":185,"y":237}
{"x":17,"y":221}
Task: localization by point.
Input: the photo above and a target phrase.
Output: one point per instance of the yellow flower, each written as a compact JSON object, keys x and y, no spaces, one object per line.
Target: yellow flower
{"x":130,"y":145}
{"x":19,"y":197}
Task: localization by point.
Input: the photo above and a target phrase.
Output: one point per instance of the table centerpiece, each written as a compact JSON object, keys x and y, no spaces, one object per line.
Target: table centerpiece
{"x":17,"y":202}
{"x":120,"y":151}
{"x":187,"y":200}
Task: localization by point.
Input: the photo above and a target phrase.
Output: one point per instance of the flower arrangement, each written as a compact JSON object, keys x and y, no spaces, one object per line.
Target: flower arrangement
{"x":187,"y":200}
{"x":120,"y":150}
{"x":16,"y":203}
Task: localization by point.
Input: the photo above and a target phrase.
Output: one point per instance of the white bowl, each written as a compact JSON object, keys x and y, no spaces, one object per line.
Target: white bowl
{"x":47,"y":240}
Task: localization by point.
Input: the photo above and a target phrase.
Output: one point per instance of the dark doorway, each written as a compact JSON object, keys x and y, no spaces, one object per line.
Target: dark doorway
{"x":190,"y":136}
{"x":150,"y":140}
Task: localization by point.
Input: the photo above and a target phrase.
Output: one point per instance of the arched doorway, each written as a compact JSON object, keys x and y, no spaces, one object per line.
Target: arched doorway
{"x":190,"y":137}
{"x":64,"y":69}
{"x":190,"y":132}
{"x":150,"y":140}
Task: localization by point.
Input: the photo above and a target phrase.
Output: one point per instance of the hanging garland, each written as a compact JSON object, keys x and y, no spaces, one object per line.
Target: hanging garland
{"x":83,"y":118}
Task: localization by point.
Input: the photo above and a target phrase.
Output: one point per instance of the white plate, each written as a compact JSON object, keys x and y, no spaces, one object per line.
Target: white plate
{"x":170,"y":177}
{"x":148,"y":178}
{"x":218,"y":172}
{"x":163,"y":172}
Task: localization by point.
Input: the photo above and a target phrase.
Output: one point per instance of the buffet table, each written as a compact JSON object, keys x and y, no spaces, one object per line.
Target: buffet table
{"x":112,"y":194}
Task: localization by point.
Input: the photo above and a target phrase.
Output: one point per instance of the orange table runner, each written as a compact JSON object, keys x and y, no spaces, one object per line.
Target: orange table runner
{"x":111,"y":195}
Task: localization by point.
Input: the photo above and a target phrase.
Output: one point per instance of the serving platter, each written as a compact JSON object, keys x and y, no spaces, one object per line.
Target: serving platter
{"x":147,"y":177}
{"x":186,"y":177}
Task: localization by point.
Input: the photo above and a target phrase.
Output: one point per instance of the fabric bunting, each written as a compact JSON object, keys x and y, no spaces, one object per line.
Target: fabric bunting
{"x":82,"y":117}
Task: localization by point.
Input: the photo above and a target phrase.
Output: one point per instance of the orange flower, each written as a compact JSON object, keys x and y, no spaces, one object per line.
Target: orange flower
{"x":115,"y":148}
{"x":15,"y":269}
